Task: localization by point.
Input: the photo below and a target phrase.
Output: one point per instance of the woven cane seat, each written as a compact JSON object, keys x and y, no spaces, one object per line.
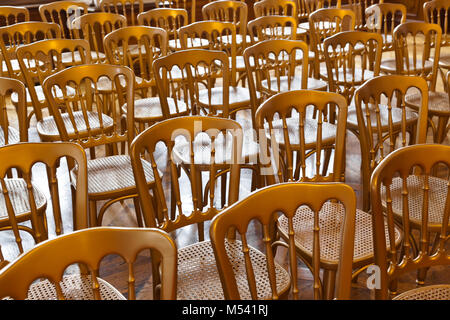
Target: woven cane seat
{"x":47,"y":127}
{"x":435,"y":292}
{"x":352,"y":120}
{"x":74,"y":287}
{"x":198,"y":277}
{"x":13,"y":136}
{"x":202,"y":149}
{"x":437,"y":197}
{"x":310,"y":130}
{"x":390,"y":66}
{"x":150,"y":108}
{"x":19,"y":199}
{"x":331,"y":219}
{"x":293,"y":84}
{"x":238,"y":97}
{"x":437,"y":102}
{"x":113,"y":174}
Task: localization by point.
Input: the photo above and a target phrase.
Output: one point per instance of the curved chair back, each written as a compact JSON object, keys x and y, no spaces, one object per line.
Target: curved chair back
{"x":9,"y":133}
{"x":128,"y":8}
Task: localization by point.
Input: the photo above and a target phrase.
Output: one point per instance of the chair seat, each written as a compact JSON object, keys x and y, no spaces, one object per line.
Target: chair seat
{"x":352,"y":120}
{"x":19,"y":199}
{"x":202,"y":150}
{"x":69,"y":58}
{"x":435,"y":292}
{"x":331,"y":218}
{"x":74,"y":287}
{"x":293,"y":84}
{"x":191,"y":43}
{"x":198,"y":277}
{"x":436,"y":198}
{"x":40,"y":94}
{"x":286,"y":31}
{"x":437,"y":102}
{"x":357,"y":77}
{"x":238,"y":97}
{"x":13,"y":136}
{"x":310,"y":129}
{"x":113,"y":174}
{"x":47,"y":127}
{"x":149,"y":109}
{"x":105,"y":85}
{"x":389,"y":65}
{"x":326,"y":25}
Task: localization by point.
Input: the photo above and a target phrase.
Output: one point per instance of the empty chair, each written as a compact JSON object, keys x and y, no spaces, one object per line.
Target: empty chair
{"x":39,"y":273}
{"x":383,"y":121}
{"x":128,"y":8}
{"x":137,"y":47}
{"x":410,"y":188}
{"x":27,"y":171}
{"x":272,"y":27}
{"x":248,"y":273}
{"x":63,"y":13}
{"x":352,"y":57}
{"x":359,"y":7}
{"x":168,"y":19}
{"x":91,"y":117}
{"x":313,"y":5}
{"x":189,"y":6}
{"x":94,"y":27}
{"x":189,"y":190}
{"x":50,"y":56}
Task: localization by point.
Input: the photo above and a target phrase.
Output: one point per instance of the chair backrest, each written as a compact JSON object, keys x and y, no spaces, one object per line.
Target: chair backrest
{"x":313,"y":5}
{"x":212,"y":35}
{"x":273,"y":66}
{"x":63,"y":13}
{"x":324,"y":23}
{"x":128,"y":8}
{"x":24,"y":157}
{"x":436,"y":11}
{"x":50,"y":56}
{"x":229,"y":11}
{"x":272,"y":27}
{"x":352,"y":57}
{"x":275,"y":7}
{"x":183,"y":161}
{"x":302,"y":10}
{"x":415,"y":44}
{"x":13,"y":36}
{"x":11,"y":14}
{"x":300,"y":144}
{"x":9,"y":134}
{"x":404,"y":189}
{"x":188,"y":5}
{"x":95,"y":26}
{"x":168,"y":19}
{"x":49,"y":260}
{"x":183,"y":76}
{"x":359,"y":7}
{"x":137,"y":47}
{"x":85,"y":109}
{"x":383,"y":18}
{"x":260,"y":208}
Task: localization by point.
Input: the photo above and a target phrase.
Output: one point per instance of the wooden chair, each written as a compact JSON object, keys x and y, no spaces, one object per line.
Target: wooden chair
{"x":193,"y":201}
{"x":50,"y":259}
{"x":313,"y":5}
{"x":11,"y":132}
{"x":63,"y":13}
{"x":324,"y":23}
{"x":359,"y":8}
{"x":126,"y":8}
{"x":86,"y":115}
{"x":188,"y":5}
{"x":302,"y":11}
{"x":275,"y":66}
{"x":294,"y":146}
{"x":269,"y":279}
{"x":235,"y":12}
{"x":94,"y":28}
{"x":168,"y":19}
{"x":381,"y":120}
{"x":352,"y":57}
{"x":420,"y":57}
{"x":405,"y":189}
{"x":383,"y":18}
{"x":137,"y":47}
{"x":23,"y":200}
{"x":50,"y":56}
{"x":436,"y":11}
{"x":272,"y":27}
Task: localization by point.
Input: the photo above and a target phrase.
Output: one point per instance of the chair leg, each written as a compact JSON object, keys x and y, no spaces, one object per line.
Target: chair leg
{"x":137,"y":209}
{"x":92,"y":213}
{"x":329,"y":279}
